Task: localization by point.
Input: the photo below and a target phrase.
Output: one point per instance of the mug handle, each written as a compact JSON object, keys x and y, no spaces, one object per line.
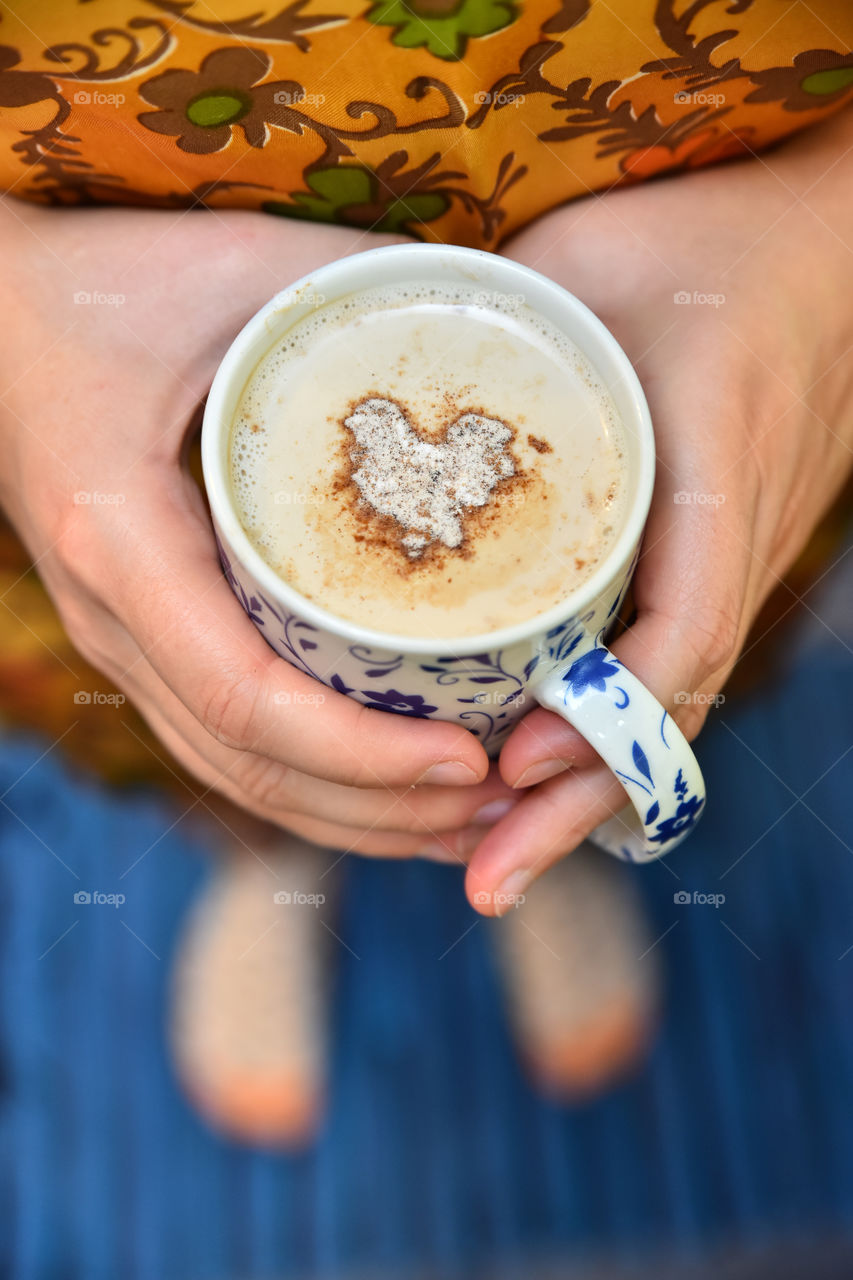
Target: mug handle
{"x":637,"y":738}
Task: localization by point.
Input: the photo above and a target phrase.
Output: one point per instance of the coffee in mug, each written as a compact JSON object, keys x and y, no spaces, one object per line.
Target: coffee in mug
{"x":440,"y":460}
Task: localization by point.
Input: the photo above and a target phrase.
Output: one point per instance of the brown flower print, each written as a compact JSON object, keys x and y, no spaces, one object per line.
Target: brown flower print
{"x":817,"y":78}
{"x":22,"y":88}
{"x":47,"y":147}
{"x":200,"y":108}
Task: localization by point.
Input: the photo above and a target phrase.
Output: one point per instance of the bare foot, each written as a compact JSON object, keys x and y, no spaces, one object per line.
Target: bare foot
{"x":250,"y":994}
{"x":582,"y":994}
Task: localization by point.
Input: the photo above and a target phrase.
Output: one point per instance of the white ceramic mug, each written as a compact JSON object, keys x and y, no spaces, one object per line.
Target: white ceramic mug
{"x":486,"y":682}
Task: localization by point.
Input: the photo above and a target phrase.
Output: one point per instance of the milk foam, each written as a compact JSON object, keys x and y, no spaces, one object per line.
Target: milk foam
{"x":429,"y":543}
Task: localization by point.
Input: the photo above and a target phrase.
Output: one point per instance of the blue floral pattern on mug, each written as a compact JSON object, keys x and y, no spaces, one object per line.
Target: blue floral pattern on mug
{"x":687,"y":811}
{"x":490,"y":698}
{"x":405,"y":704}
{"x":488,"y":690}
{"x":590,"y":671}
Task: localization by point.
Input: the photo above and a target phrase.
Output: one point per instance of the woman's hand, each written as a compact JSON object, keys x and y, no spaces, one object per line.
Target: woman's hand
{"x":97,"y":401}
{"x":727,"y":290}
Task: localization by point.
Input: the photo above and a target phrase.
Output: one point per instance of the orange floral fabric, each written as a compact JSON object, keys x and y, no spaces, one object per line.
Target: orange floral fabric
{"x":450,"y":120}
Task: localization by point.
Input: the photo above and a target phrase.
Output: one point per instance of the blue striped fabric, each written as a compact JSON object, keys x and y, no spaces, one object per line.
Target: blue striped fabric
{"x":436,"y":1157}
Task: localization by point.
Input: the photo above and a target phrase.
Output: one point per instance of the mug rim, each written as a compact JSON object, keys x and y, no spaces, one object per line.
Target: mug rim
{"x":241,"y":359}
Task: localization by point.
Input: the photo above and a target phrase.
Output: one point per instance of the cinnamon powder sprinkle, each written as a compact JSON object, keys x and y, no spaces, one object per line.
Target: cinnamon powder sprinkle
{"x":425,"y":495}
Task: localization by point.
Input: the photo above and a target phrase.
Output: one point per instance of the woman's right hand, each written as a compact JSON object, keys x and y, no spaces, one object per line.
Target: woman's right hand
{"x":99,"y":400}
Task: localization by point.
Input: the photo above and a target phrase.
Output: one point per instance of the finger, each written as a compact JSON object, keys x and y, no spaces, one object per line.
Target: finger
{"x":421,"y":810}
{"x":542,"y":745}
{"x":452,"y":847}
{"x":266,"y":787}
{"x":550,"y":822}
{"x":192,"y":630}
{"x":276,"y":793}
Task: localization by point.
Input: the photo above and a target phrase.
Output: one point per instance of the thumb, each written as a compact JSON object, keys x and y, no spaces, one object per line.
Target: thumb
{"x":692,"y":592}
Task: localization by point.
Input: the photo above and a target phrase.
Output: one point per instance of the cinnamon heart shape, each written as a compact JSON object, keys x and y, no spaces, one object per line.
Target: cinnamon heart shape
{"x":426,"y":486}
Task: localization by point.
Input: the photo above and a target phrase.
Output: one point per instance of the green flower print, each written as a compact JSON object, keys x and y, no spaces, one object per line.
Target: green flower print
{"x":354,"y":196}
{"x":200,"y":108}
{"x":442,"y":26}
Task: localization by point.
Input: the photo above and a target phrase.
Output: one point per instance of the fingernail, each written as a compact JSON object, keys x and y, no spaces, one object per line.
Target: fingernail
{"x":448,"y":773}
{"x":540,"y":771}
{"x":510,"y":892}
{"x":494,"y":811}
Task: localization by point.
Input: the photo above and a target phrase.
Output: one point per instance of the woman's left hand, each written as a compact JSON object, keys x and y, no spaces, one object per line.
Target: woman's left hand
{"x":750,"y":385}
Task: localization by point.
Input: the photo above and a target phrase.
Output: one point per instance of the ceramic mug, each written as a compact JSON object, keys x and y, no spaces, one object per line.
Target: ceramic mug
{"x":486,"y":682}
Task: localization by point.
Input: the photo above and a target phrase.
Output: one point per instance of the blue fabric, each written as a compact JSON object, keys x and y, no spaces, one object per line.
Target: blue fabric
{"x":435,"y":1152}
